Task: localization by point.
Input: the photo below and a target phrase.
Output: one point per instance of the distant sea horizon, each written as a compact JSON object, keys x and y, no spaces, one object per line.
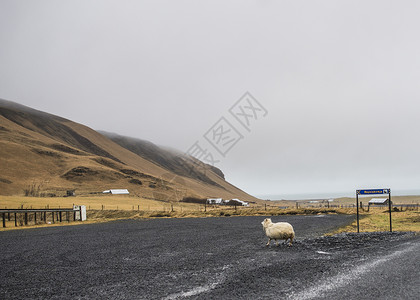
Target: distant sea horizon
{"x":330,"y":195}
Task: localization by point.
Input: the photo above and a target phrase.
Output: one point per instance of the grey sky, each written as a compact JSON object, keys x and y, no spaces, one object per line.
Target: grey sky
{"x":339,"y":79}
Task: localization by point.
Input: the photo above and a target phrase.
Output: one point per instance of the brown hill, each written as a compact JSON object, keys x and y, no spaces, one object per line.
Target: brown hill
{"x":44,"y":154}
{"x":171,"y":160}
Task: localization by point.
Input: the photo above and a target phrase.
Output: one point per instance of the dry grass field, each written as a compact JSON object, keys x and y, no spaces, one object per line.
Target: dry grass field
{"x":100,"y":202}
{"x":378,"y":220}
{"x":103,"y":208}
{"x":347,"y":201}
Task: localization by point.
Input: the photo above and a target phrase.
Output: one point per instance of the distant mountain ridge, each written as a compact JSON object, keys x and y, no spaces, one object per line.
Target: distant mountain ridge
{"x":172,"y":160}
{"x":57,"y":155}
{"x":49,"y":125}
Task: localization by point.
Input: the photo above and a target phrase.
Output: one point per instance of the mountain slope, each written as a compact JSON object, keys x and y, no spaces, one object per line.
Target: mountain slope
{"x":172,"y":160}
{"x":50,"y":126}
{"x":50,"y":154}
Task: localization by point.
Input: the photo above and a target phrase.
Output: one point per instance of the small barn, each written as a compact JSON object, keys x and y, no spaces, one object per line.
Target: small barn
{"x":240,"y":202}
{"x":117,"y":192}
{"x":218,"y":201}
{"x":378,"y":201}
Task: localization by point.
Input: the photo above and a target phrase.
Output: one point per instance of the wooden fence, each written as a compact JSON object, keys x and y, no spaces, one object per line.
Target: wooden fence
{"x":36,"y":216}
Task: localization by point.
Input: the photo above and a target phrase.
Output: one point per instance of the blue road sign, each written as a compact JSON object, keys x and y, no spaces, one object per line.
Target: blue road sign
{"x":373,"y":192}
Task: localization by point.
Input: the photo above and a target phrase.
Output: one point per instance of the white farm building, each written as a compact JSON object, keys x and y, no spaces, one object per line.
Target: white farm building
{"x":241,"y":202}
{"x":117,"y":192}
{"x":378,"y":201}
{"x":218,"y":201}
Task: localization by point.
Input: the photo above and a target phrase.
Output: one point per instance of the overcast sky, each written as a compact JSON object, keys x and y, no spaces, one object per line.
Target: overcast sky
{"x":336,"y":83}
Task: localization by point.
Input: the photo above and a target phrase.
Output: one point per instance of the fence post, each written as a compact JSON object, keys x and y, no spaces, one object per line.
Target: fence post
{"x":15,"y":220}
{"x":26,"y":218}
{"x":61,"y":217}
{"x":35,"y":217}
{"x":4,"y":219}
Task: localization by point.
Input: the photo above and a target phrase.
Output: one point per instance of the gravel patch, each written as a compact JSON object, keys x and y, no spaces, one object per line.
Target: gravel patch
{"x":207,"y":258}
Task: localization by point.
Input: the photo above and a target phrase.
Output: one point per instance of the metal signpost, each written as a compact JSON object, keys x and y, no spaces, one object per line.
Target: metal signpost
{"x":374,"y":192}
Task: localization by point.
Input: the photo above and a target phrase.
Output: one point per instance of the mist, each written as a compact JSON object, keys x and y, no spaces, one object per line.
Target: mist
{"x":336,"y":83}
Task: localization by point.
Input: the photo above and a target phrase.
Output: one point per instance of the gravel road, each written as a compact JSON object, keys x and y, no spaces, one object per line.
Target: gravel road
{"x":207,"y":258}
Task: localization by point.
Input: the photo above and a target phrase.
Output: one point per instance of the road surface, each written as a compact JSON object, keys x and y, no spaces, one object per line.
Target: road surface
{"x":207,"y":258}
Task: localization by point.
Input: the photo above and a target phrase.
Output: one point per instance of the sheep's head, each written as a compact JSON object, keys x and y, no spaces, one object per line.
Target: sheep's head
{"x":266,"y":222}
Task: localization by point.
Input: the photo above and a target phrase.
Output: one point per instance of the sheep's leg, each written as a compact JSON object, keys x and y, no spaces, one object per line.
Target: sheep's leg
{"x":277,"y":242}
{"x":291,"y":241}
{"x":268,"y":243}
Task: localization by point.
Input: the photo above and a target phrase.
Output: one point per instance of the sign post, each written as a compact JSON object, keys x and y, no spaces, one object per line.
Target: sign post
{"x":357,"y":206}
{"x":390,"y":208}
{"x":374,"y":192}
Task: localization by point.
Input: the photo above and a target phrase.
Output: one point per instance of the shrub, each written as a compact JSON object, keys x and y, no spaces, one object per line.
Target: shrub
{"x":160,"y":215}
{"x":194,"y":200}
{"x":135,"y":181}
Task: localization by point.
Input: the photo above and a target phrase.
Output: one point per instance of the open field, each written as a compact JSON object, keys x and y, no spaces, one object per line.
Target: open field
{"x":130,"y":202}
{"x":378,"y":220}
{"x":106,"y":202}
{"x":103,"y":208}
{"x":347,"y":201}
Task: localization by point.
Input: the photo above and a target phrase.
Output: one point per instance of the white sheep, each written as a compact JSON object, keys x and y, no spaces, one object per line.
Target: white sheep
{"x":278,"y":231}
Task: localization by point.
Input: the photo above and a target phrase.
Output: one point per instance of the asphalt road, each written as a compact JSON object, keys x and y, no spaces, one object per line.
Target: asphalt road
{"x":209,"y":258}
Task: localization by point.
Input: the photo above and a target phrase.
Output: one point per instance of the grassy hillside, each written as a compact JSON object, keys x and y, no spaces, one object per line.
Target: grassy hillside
{"x":46,"y":155}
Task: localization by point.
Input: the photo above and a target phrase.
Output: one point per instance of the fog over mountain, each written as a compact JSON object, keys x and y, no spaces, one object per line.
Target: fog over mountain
{"x":333,"y":85}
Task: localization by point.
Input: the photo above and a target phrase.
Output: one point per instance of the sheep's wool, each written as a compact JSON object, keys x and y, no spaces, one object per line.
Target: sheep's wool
{"x":278,"y":231}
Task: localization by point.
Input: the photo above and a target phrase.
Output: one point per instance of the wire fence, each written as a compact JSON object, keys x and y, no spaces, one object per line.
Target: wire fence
{"x":181,"y":206}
